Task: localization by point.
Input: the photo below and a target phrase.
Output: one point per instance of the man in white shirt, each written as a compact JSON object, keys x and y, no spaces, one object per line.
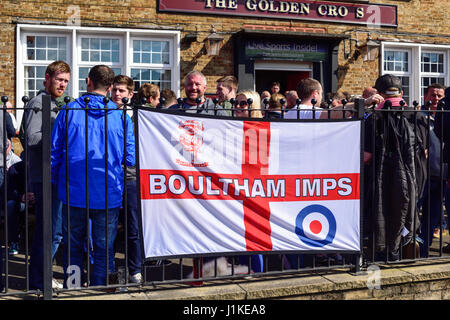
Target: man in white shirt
{"x":309,"y":91}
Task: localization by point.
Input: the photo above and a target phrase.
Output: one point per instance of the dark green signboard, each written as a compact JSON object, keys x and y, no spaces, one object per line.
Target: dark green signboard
{"x":291,"y":50}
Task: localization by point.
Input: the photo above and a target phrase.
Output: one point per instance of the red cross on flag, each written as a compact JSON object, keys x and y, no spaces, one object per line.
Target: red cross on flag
{"x":228,"y":185}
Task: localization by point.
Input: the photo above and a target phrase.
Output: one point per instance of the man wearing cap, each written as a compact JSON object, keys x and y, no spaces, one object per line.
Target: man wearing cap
{"x":400,"y":170}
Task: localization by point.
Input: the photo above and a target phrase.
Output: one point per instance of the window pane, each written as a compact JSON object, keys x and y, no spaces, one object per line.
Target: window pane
{"x":106,"y":56}
{"x":40,"y":55}
{"x":396,"y":61}
{"x":115,"y":56}
{"x":95,"y":44}
{"x":41,"y":42}
{"x":156,"y":75}
{"x":31,"y":85}
{"x":115,"y":45}
{"x":100,"y":50}
{"x":52,"y":42}
{"x":84,"y":55}
{"x":145,"y":75}
{"x":84,"y":43}
{"x":40,"y":72}
{"x":156,"y":58}
{"x":405,"y":88}
{"x":82,"y":75}
{"x":117,"y":71}
{"x":52,"y":55}
{"x":31,"y":42}
{"x":94,"y":56}
{"x":146,"y":46}
{"x":62,"y":43}
{"x":432,"y":62}
{"x":33,"y":81}
{"x":136,"y":45}
{"x":136,"y":58}
{"x":62,"y":55}
{"x":105,"y":44}
{"x":149,"y":52}
{"x":145,"y":58}
{"x":48,"y":48}
{"x":31,"y":54}
{"x":156,"y":46}
{"x":29,"y":72}
{"x":165,"y":58}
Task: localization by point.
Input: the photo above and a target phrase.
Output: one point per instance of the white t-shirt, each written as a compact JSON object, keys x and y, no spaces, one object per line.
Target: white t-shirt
{"x":305,"y":112}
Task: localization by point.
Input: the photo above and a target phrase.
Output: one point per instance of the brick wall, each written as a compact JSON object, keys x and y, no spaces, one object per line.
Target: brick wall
{"x":427,"y":19}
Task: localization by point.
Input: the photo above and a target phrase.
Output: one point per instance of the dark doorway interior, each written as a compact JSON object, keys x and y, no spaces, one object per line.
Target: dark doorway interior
{"x":287,"y":79}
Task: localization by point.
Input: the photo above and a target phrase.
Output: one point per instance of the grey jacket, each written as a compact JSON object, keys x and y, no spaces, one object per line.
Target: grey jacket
{"x":33,"y":131}
{"x":208,"y":107}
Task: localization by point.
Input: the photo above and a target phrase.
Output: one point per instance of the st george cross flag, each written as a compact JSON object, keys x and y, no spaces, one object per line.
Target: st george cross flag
{"x":217,"y":185}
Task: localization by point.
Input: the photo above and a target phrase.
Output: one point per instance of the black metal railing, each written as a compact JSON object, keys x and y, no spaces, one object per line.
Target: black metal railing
{"x":16,"y":272}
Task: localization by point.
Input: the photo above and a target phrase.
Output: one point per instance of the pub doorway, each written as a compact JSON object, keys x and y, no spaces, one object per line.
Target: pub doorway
{"x":288,"y":74}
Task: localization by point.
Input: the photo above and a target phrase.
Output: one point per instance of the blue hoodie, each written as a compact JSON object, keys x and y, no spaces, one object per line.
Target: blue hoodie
{"x":96,"y":153}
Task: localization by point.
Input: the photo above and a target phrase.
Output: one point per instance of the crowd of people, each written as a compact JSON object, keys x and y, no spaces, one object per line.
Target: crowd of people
{"x":402,"y":204}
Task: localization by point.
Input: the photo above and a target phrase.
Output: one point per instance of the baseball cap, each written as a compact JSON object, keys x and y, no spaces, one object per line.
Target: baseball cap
{"x":389,"y":84}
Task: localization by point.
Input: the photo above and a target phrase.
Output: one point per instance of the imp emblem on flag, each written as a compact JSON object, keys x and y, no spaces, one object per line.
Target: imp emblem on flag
{"x":191,"y":138}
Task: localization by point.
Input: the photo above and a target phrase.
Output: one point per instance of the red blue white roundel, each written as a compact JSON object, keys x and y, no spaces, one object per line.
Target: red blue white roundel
{"x":315,"y":225}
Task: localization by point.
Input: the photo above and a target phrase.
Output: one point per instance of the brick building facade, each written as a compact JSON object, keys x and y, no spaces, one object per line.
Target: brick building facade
{"x":159,"y":41}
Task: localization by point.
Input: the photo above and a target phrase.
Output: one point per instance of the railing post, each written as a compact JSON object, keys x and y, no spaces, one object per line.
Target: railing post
{"x":46,"y":197}
{"x":359,"y":106}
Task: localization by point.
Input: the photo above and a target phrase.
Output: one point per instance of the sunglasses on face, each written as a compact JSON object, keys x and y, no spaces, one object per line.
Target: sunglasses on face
{"x":243,"y":103}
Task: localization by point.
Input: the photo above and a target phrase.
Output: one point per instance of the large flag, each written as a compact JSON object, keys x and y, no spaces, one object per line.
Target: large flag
{"x":218,"y":186}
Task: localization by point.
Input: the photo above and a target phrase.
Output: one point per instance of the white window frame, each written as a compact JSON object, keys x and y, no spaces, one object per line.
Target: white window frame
{"x":22,"y":57}
{"x":416,"y":73}
{"x":444,"y":74}
{"x":74,"y":34}
{"x":408,"y":73}
{"x":158,"y":66}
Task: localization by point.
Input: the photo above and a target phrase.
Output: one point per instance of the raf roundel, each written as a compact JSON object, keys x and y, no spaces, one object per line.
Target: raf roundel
{"x":315,"y":225}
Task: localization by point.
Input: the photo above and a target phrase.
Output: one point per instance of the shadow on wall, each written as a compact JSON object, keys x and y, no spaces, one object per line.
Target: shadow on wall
{"x":216,"y":66}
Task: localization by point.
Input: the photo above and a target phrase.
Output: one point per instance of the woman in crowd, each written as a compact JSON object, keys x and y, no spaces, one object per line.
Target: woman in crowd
{"x":248,"y":104}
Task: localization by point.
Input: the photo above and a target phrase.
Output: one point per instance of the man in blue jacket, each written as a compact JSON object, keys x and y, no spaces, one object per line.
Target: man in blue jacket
{"x":109,"y":134}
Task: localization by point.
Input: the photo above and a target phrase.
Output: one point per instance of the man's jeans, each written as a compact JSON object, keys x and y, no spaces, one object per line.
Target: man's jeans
{"x":36,"y":254}
{"x":435,"y":209}
{"x":134,"y":240}
{"x":78,"y":238}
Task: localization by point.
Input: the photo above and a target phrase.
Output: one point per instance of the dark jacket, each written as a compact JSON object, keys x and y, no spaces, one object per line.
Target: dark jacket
{"x":208,"y":107}
{"x":400,"y":177}
{"x":442,"y":124}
